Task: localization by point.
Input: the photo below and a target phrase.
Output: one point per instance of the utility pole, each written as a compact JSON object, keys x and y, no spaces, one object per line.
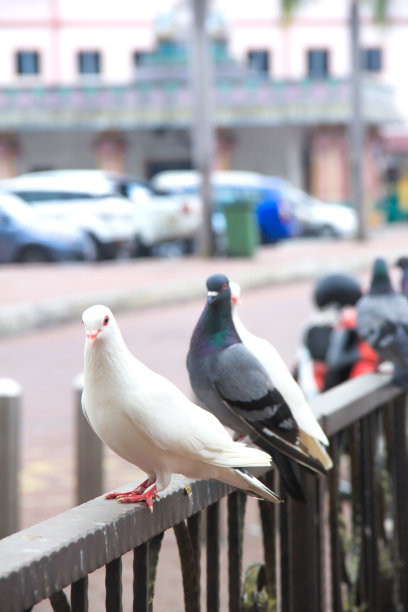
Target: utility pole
{"x":202,"y":131}
{"x":356,"y":123}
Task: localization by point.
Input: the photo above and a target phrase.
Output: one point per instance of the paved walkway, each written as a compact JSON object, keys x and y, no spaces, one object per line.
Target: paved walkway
{"x":42,"y":295}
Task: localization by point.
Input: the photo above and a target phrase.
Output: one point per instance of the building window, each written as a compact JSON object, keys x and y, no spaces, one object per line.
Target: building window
{"x":140,"y":58}
{"x":89,"y":62}
{"x":27,"y":62}
{"x":317,"y":63}
{"x":371,"y":59}
{"x":258,"y":61}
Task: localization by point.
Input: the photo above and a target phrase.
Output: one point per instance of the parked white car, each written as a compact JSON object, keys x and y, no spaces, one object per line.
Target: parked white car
{"x":160,"y":217}
{"x":64,"y":196}
{"x":156,"y":217}
{"x":26,"y":239}
{"x":319,"y":218}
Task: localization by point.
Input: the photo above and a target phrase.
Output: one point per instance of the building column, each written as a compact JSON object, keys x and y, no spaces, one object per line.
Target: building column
{"x":110,"y":149}
{"x":224,"y":146}
{"x":9,"y":155}
{"x":328,"y":164}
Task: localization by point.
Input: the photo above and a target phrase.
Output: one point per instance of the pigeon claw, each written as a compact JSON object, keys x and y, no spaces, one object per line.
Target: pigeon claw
{"x":148,"y":495}
{"x":137,"y":491}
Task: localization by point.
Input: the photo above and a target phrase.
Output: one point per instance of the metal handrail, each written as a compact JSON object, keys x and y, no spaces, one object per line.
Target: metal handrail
{"x":38,"y":562}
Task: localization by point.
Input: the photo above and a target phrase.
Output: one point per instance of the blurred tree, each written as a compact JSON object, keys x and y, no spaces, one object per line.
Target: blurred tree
{"x":380,"y":8}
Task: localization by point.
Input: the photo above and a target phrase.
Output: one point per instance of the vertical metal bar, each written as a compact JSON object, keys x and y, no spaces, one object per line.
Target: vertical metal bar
{"x":89,"y":468}
{"x":194,"y":528}
{"x":268,"y":522}
{"x":335,"y":541}
{"x":369,"y":497}
{"x":59,"y":602}
{"x":236,"y":510}
{"x":79,"y":595}
{"x":140,"y":578}
{"x":396,"y":421}
{"x":188,"y":568}
{"x":10,"y":408}
{"x":113,"y":585}
{"x":286,"y":579}
{"x":324,"y":531}
{"x":304,"y":550}
{"x":154,"y":550}
{"x":213,"y":558}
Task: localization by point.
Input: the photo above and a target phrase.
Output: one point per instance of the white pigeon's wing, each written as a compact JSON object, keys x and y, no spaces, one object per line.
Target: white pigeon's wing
{"x":84,"y":410}
{"x":174,"y":424}
{"x":284,"y":382}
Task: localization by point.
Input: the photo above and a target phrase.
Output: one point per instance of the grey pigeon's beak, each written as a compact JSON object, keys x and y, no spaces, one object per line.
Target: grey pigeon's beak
{"x":92,"y":335}
{"x":211,"y":295}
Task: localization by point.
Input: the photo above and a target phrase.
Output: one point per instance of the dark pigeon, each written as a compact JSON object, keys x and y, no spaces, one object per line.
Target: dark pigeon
{"x":382,"y":321}
{"x":402,"y":263}
{"x":230,"y":382}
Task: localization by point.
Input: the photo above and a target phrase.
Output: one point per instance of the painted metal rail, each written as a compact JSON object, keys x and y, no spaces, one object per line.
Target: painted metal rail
{"x":347,"y":548}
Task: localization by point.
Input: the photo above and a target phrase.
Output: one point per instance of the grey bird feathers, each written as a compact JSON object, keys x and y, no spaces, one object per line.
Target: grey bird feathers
{"x":382,"y":321}
{"x":148,"y":421}
{"x":230,"y":382}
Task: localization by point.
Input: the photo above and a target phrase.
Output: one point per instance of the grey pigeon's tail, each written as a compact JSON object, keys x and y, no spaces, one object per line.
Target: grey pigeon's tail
{"x":401,"y":377}
{"x":290,"y":474}
{"x":255,"y":487}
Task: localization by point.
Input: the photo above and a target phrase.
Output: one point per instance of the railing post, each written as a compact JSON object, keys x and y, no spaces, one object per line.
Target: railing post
{"x":10,"y":408}
{"x":305,"y":549}
{"x":89,"y":453}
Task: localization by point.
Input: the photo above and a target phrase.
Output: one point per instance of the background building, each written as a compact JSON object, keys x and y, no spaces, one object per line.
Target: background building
{"x":98,"y":84}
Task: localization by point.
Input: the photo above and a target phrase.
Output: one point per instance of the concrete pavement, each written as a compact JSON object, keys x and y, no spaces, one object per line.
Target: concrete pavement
{"x":36,"y":296}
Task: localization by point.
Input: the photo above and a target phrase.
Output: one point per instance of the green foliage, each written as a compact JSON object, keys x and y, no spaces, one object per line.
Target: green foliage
{"x":255,"y":597}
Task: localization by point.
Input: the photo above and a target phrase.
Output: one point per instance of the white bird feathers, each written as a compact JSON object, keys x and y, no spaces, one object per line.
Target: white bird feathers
{"x":310,"y":432}
{"x":148,"y":421}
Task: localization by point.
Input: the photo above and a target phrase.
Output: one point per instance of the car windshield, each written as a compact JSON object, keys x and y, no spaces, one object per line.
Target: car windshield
{"x":139,"y":193}
{"x":15,"y":208}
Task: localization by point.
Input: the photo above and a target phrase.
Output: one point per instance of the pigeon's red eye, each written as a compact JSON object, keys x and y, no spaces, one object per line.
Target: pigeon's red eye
{"x":225,"y":285}
{"x":106,"y":320}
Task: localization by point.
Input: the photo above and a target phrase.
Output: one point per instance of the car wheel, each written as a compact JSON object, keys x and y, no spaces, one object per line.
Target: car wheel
{"x":98,"y":249}
{"x":327,"y":231}
{"x":140,"y":249}
{"x":34,"y":254}
{"x":189,"y":246}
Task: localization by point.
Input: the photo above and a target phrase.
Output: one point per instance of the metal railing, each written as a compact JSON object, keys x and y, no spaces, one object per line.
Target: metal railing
{"x":346,"y":550}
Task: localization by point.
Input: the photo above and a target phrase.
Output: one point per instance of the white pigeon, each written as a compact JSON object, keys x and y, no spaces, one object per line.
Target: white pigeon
{"x":147,"y":420}
{"x":310,"y":431}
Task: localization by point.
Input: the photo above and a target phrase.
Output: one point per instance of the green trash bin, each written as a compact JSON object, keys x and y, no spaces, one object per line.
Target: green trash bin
{"x":242,"y":228}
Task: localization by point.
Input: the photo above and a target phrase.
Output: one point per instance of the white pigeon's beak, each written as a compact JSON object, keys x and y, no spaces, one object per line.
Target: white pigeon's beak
{"x":236,"y":300}
{"x":92,"y":335}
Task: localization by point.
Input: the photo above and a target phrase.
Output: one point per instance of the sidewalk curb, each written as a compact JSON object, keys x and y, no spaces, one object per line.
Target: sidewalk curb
{"x":16,"y":319}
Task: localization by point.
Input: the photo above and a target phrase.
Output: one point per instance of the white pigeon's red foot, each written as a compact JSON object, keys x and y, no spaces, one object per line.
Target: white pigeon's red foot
{"x":138,"y":491}
{"x":146,"y":491}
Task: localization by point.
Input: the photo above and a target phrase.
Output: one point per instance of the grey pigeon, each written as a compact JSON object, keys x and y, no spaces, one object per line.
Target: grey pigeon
{"x":402,"y":262}
{"x":382,"y":321}
{"x":230,"y":382}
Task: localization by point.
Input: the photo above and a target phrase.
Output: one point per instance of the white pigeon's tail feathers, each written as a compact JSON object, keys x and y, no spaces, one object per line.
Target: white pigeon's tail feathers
{"x":254,"y":487}
{"x":316,"y":450}
{"x":239,"y":455}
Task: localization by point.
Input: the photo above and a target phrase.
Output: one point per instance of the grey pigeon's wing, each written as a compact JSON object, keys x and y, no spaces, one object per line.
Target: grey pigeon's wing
{"x":382,"y":321}
{"x":378,"y":318}
{"x":247,"y":391}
